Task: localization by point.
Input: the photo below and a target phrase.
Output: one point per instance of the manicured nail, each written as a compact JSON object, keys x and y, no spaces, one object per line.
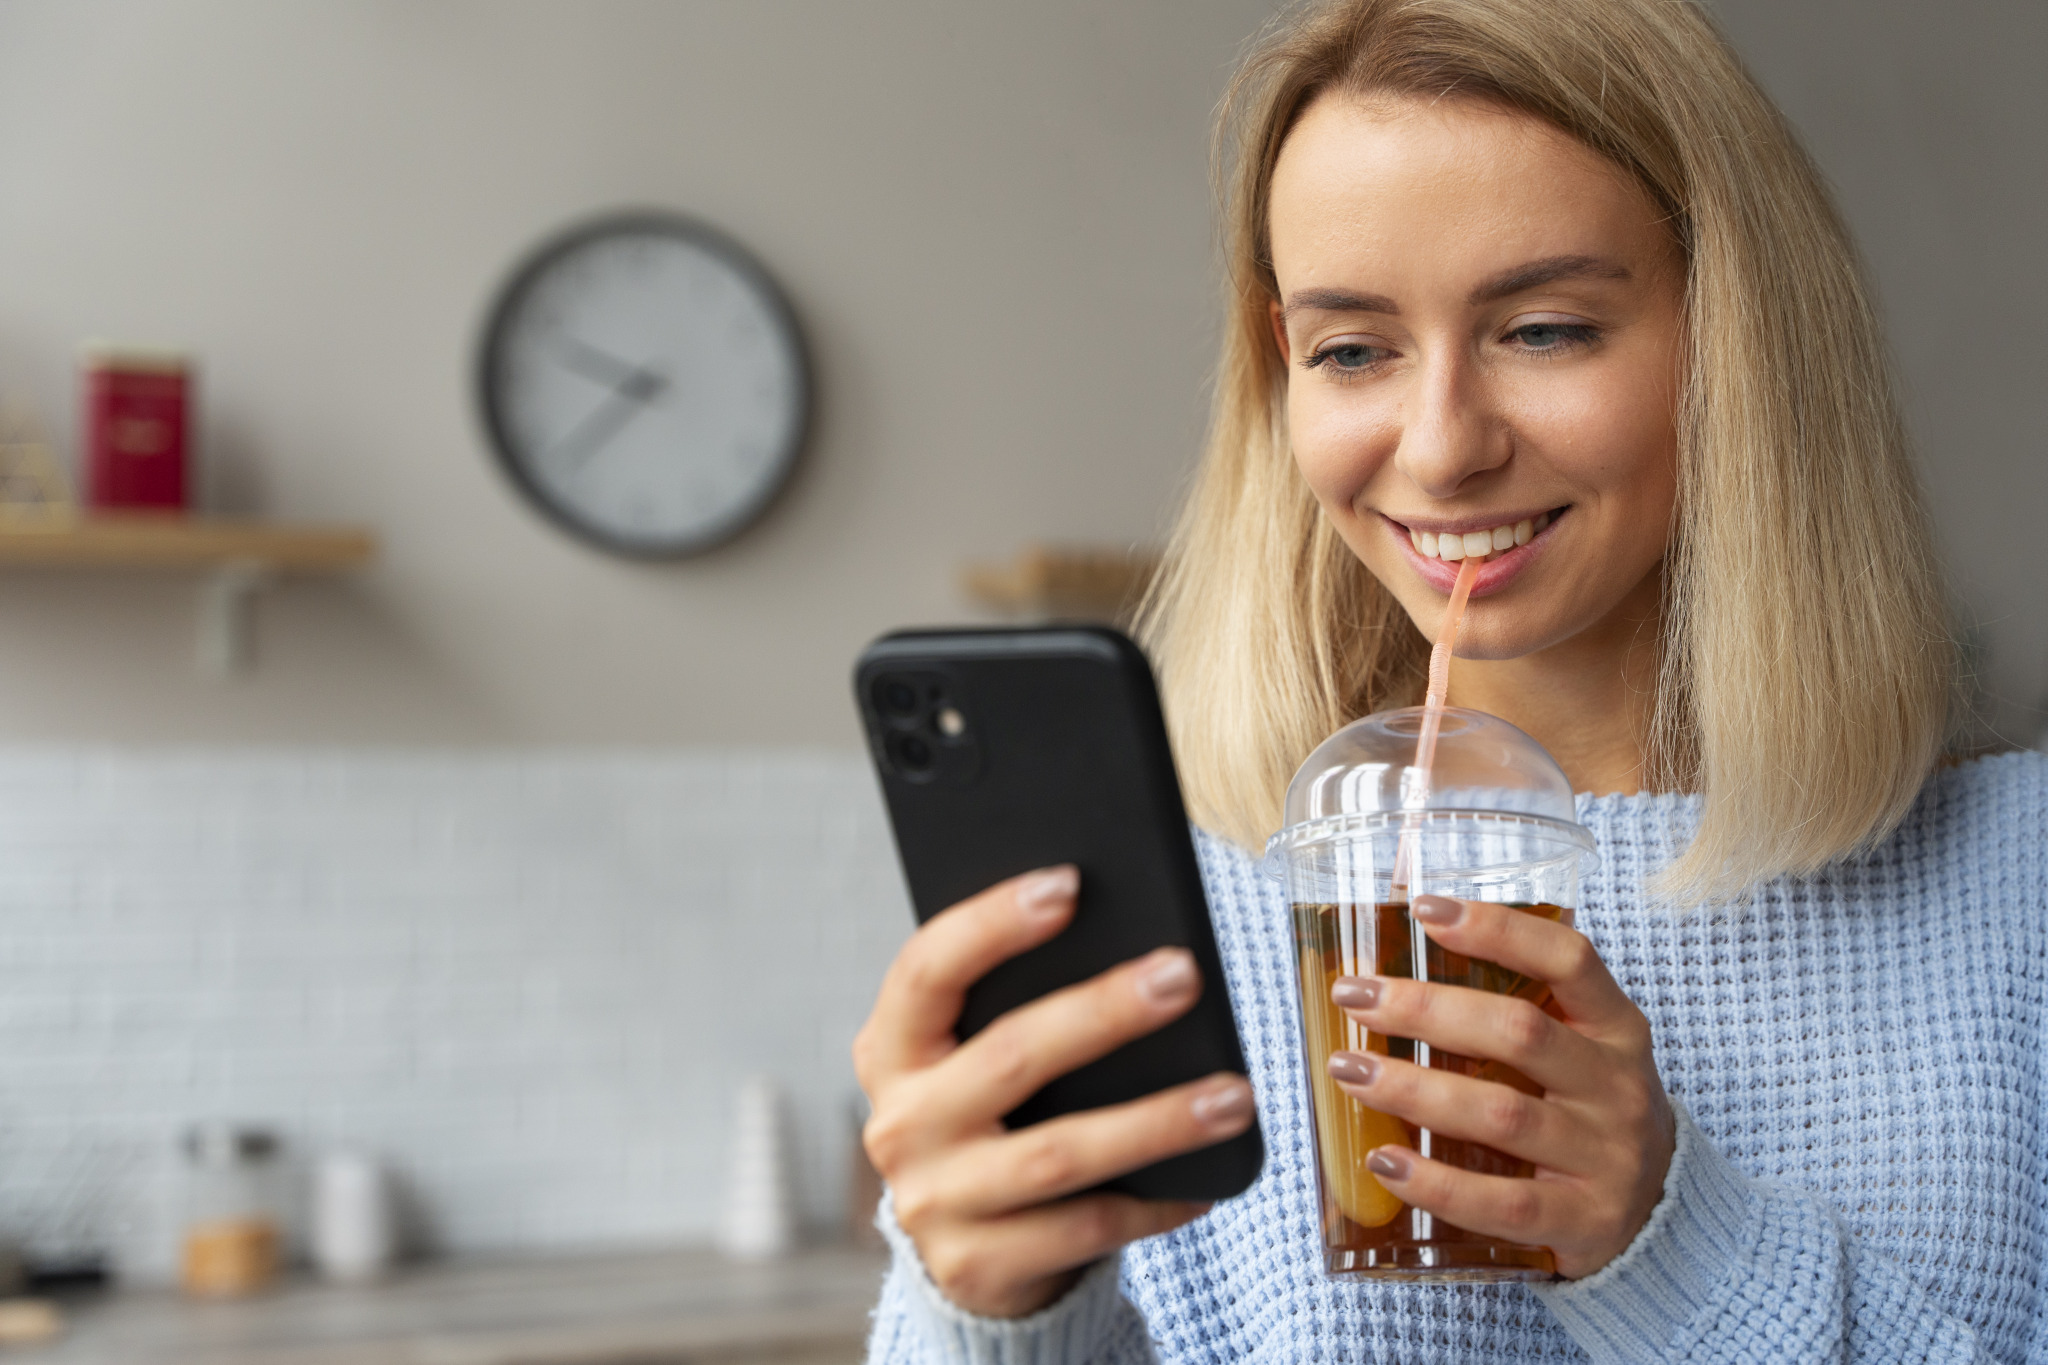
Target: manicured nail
{"x":1045,"y":894}
{"x":1355,"y":992}
{"x":1170,"y":977}
{"x":1387,"y":1164}
{"x":1354,"y":1068}
{"x":1439,"y":910}
{"x":1224,"y":1104}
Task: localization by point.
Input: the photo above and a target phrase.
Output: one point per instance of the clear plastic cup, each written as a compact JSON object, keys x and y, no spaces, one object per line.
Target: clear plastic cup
{"x":1366,"y":832}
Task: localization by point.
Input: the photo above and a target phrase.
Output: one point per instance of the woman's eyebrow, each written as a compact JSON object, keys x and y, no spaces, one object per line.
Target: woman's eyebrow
{"x":1549,"y":270}
{"x":1339,"y":301}
{"x":1530,"y":275}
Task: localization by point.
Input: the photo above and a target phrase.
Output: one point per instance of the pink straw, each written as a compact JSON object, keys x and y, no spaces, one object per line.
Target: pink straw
{"x":1433,"y":715}
{"x":1440,"y":665}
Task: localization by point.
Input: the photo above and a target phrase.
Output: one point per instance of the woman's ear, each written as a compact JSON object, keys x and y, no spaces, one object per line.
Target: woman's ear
{"x":1279,"y":322}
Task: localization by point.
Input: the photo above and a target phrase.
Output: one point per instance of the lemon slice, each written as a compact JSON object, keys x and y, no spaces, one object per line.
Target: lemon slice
{"x":1346,"y":1131}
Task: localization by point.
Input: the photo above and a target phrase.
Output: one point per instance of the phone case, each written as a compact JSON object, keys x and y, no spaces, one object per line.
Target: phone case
{"x":1001,"y":751}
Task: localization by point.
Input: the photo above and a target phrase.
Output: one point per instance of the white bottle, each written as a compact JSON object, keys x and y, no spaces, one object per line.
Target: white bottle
{"x":354,"y":1231}
{"x":758,"y":1220}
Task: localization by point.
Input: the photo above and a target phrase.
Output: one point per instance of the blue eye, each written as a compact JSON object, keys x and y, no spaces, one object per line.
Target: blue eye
{"x":1348,"y":355}
{"x":1554,"y":336}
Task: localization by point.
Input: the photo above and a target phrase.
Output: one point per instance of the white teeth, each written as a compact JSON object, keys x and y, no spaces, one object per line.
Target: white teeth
{"x":1453,"y":546}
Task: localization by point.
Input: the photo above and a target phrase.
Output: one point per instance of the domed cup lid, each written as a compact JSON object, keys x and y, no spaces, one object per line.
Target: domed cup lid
{"x":1362,"y":782}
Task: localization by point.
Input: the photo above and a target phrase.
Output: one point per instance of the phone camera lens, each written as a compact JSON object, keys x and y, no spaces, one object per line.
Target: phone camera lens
{"x":912,"y":755}
{"x":896,"y":696}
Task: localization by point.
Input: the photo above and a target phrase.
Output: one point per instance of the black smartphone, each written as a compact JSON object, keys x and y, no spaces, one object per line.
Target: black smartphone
{"x":1005,"y":750}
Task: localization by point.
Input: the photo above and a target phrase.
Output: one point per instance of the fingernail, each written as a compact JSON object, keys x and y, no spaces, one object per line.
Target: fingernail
{"x":1045,"y":894}
{"x":1437,"y":909}
{"x":1387,"y":1165}
{"x":1169,"y":977}
{"x":1355,"y":992}
{"x":1226,"y":1104}
{"x":1354,"y":1068}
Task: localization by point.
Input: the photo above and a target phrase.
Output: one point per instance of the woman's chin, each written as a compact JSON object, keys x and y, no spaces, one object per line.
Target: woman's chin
{"x":1492,"y":630}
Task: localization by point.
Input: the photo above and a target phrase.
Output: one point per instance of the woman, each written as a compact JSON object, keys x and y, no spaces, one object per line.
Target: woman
{"x":1553,"y":266}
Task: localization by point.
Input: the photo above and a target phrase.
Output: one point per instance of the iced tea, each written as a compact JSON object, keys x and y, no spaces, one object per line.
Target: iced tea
{"x":1366,"y":1229}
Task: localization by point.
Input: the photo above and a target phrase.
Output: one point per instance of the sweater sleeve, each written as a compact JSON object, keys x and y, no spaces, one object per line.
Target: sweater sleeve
{"x":1732,"y":1269}
{"x":915,"y":1324}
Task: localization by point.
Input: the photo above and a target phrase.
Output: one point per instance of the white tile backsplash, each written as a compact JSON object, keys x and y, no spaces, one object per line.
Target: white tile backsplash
{"x":531,"y":979}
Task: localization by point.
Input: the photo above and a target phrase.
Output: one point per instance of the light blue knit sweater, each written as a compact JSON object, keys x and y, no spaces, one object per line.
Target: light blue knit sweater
{"x":1862,"y":1168}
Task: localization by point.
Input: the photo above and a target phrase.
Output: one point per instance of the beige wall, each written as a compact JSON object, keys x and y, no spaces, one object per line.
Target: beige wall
{"x":1932,"y":122}
{"x":993,"y":218}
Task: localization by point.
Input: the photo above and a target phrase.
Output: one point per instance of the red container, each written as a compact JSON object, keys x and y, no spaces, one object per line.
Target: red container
{"x":136,"y":433}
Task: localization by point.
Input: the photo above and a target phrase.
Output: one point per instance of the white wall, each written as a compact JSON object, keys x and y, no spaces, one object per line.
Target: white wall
{"x":532,"y":982}
{"x":1932,"y":122}
{"x":994,"y":220}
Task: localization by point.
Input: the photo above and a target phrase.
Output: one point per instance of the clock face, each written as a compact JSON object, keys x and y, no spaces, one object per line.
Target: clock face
{"x":644,"y":384}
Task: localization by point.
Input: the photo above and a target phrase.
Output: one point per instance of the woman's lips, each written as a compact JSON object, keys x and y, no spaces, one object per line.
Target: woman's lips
{"x":1501,"y":568}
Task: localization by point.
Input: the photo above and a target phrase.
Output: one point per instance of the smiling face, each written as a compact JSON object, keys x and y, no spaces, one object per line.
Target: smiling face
{"x":1482,"y":319}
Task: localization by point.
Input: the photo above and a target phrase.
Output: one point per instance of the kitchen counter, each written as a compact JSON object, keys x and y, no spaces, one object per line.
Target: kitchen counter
{"x":670,"y":1308}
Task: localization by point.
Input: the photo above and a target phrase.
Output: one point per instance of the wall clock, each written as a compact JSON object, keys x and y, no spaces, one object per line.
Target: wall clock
{"x":644,"y":384}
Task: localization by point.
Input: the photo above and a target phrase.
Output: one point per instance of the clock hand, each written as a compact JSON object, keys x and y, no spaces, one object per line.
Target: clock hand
{"x":607,"y":420}
{"x":595,"y":363}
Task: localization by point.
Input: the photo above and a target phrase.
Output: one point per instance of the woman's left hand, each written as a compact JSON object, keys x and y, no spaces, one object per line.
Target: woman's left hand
{"x":1601,"y":1135}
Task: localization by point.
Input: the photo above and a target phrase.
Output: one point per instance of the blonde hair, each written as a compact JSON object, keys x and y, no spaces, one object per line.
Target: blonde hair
{"x":1805,"y":672}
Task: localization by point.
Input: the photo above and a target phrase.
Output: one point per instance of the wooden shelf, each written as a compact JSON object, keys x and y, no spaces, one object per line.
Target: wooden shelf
{"x":236,"y":559}
{"x":1086,"y":582}
{"x":169,"y":541}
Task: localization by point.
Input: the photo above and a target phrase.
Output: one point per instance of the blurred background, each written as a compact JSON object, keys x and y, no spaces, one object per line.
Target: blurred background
{"x":372,"y":816}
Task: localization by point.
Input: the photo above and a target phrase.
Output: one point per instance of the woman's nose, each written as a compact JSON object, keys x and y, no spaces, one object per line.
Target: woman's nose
{"x":1449,"y":432}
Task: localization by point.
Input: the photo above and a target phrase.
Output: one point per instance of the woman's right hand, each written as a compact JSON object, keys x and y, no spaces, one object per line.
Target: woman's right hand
{"x":997,"y":1216}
